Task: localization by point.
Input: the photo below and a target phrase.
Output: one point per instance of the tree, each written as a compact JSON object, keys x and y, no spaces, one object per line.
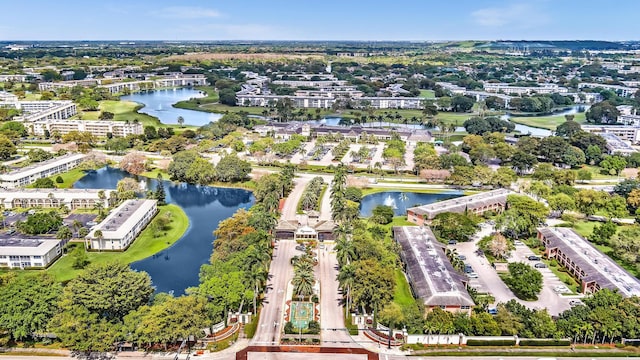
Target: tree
{"x":38,"y":155}
{"x":503,"y":177}
{"x":613,"y":164}
{"x":604,"y":232}
{"x":80,"y":258}
{"x":453,"y":226}
{"x":626,"y":245}
{"x":522,"y":216}
{"x":439,"y":321}
{"x":499,"y":246}
{"x":160,"y":193}
{"x":232,"y":169}
{"x":106,"y":115}
{"x":561,"y":202}
{"x":127,"y":188}
{"x":64,"y":233}
{"x":568,"y":128}
{"x":7,"y":148}
{"x":133,"y":163}
{"x":353,"y":193}
{"x":40,"y":223}
{"x":27,"y":303}
{"x":589,"y":201}
{"x":382,"y":214}
{"x":524,"y":281}
{"x":110,"y":290}
{"x":603,"y":113}
{"x":461,"y":103}
{"x":593,"y":154}
{"x":80,"y":330}
{"x":553,"y":148}
{"x":523,"y":162}
{"x":584,"y":174}
{"x":150,"y":132}
{"x":44,"y":183}
{"x":180,"y":121}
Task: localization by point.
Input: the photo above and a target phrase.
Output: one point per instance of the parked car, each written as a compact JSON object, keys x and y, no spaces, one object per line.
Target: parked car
{"x":492,"y":311}
{"x":301,"y":247}
{"x":540,"y":265}
{"x":462,"y":257}
{"x":92,"y":223}
{"x":575,"y":302}
{"x":468,"y":269}
{"x":534,"y":258}
{"x":561,"y":289}
{"x":472,"y":275}
{"x":452,"y":242}
{"x":518,"y":243}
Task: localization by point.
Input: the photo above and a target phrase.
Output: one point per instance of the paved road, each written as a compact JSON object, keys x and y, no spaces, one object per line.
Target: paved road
{"x":325,"y":204}
{"x":289,"y":211}
{"x":280,"y":273}
{"x":331,"y":310}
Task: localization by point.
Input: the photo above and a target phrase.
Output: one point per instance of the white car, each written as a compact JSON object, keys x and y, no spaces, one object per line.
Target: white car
{"x":472,"y":275}
{"x":561,"y":289}
{"x":575,"y":302}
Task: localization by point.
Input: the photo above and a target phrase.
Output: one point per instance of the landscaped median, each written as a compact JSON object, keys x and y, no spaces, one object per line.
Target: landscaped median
{"x":147,"y":244}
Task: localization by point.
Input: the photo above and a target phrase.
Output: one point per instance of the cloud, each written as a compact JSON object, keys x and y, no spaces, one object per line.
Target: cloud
{"x":186,"y":12}
{"x":516,"y":15}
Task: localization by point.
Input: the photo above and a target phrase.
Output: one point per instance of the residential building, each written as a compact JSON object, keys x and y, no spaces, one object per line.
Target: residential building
{"x":494,"y":200}
{"x":625,"y":133}
{"x":7,"y":97}
{"x":623,"y":91}
{"x":123,"y":225}
{"x":42,"y":110}
{"x":55,"y":198}
{"x":616,"y":146}
{"x":629,"y":119}
{"x":593,"y":269}
{"x":431,"y":275}
{"x":13,"y":77}
{"x":29,"y":253}
{"x":96,"y":128}
{"x":506,"y":88}
{"x":27,"y":175}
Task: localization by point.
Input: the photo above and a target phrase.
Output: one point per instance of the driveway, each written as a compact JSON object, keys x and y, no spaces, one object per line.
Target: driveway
{"x":489,"y":281}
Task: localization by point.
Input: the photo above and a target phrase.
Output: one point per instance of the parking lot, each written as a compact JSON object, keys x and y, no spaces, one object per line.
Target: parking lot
{"x":489,"y":281}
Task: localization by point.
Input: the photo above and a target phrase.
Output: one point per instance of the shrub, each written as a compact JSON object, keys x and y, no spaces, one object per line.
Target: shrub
{"x":314,"y":327}
{"x":288,"y":328}
{"x":250,"y":328}
{"x":59,"y":179}
{"x":473,"y":342}
{"x":545,"y":342}
{"x":315,"y":299}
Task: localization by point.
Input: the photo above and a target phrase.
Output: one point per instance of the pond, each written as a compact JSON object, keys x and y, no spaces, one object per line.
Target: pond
{"x":400,"y":201}
{"x":177,"y":268}
{"x":159,"y":103}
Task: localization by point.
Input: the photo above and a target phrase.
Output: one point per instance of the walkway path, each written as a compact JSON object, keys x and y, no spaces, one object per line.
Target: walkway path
{"x":290,"y":209}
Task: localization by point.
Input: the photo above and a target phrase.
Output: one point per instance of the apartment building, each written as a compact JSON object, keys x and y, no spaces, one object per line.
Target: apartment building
{"x":25,"y":253}
{"x":494,"y":200}
{"x":96,"y":128}
{"x":625,"y":133}
{"x":506,"y":88}
{"x":28,"y":175}
{"x":123,"y":225}
{"x":54,"y":198}
{"x":593,"y":269}
{"x":618,"y":89}
{"x":431,"y":275}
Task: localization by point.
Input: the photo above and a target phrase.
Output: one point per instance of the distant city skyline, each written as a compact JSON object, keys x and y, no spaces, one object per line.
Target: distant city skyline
{"x":412,"y":20}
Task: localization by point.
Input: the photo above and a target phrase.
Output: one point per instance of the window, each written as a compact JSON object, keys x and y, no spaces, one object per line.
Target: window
{"x":37,"y":257}
{"x":464,"y":307}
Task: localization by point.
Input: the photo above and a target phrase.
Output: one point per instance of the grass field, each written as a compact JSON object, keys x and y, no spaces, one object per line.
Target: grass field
{"x":194,"y":104}
{"x":546,"y":122}
{"x":126,"y":110}
{"x":402,"y":293}
{"x":429,"y":94}
{"x":144,"y":246}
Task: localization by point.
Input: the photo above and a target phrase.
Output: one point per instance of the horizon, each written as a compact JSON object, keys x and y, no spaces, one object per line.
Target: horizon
{"x":283,"y":20}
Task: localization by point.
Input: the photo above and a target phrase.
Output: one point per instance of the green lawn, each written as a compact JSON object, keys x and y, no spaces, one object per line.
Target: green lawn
{"x":144,"y":246}
{"x":402,"y":293}
{"x":126,"y":110}
{"x":597,"y":175}
{"x":70,"y":177}
{"x":429,"y":94}
{"x":194,"y":104}
{"x":546,"y":122}
{"x":153,"y":174}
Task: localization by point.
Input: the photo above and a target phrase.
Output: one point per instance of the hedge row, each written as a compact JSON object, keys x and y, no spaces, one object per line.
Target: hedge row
{"x":545,"y":342}
{"x":474,"y":342}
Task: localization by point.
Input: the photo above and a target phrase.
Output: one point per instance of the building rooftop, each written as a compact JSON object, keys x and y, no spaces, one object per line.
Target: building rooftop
{"x":41,"y":166}
{"x":596,"y":266}
{"x":17,"y":246}
{"x":44,"y":193}
{"x":459,"y":204}
{"x":615,"y":144}
{"x":123,"y":218}
{"x":433,"y":278}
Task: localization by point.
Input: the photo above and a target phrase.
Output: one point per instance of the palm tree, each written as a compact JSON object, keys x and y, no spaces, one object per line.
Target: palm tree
{"x":64,"y":233}
{"x":258,"y":277}
{"x":346,"y":279}
{"x":98,"y":235}
{"x":303,"y":282}
{"x":345,"y":251}
{"x":181,"y":121}
{"x":76,"y":225}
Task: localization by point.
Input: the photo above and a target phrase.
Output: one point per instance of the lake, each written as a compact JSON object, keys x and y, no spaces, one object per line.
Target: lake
{"x":159,"y":103}
{"x":400,"y":201}
{"x":177,"y":268}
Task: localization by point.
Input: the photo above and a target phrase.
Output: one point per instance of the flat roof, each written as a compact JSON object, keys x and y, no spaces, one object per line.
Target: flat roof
{"x":459,"y":204}
{"x":27,"y":247}
{"x":614,"y":143}
{"x":44,"y":193}
{"x":433,"y":278}
{"x":41,"y":166}
{"x":597,"y":266}
{"x":123,"y":218}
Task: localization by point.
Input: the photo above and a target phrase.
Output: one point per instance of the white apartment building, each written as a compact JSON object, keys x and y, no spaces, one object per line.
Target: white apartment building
{"x":524,"y":90}
{"x":99,"y":128}
{"x":40,"y":110}
{"x":13,"y":77}
{"x":29,"y":253}
{"x":618,"y":89}
{"x":310,"y":83}
{"x":7,"y":97}
{"x":123,"y":225}
{"x":625,"y":133}
{"x":28,"y":175}
{"x":630,"y":119}
{"x":54,"y":198}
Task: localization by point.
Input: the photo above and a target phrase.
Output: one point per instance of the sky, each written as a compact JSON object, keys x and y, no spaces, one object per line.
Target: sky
{"x":376,"y":20}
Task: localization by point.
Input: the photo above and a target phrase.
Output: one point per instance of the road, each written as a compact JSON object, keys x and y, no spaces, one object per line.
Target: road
{"x":331,"y":310}
{"x":280,"y":273}
{"x":290,"y":209}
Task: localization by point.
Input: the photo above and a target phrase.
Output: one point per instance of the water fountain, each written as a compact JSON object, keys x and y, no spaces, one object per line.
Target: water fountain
{"x":160,"y":107}
{"x":391,"y":202}
{"x":143,"y":185}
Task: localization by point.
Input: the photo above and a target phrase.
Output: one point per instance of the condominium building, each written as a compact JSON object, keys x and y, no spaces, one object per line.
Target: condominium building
{"x":7,"y":97}
{"x":96,"y":128}
{"x":629,"y":119}
{"x":310,"y":83}
{"x":55,"y":198}
{"x":123,"y":225}
{"x":13,"y":77}
{"x":27,"y":175}
{"x":29,"y":253}
{"x":42,"y":110}
{"x":625,"y":133}
{"x":524,"y":90}
{"x":173,"y":80}
{"x":494,"y":200}
{"x":431,"y":275}
{"x":593,"y":269}
{"x":615,"y":145}
{"x":618,"y":89}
